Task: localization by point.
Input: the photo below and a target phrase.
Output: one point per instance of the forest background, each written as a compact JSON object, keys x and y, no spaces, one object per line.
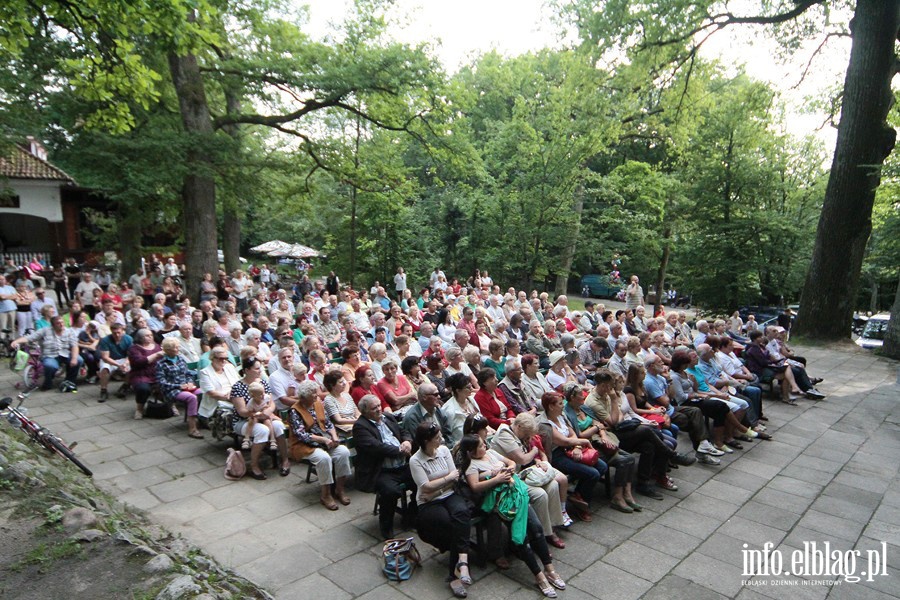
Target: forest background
{"x":223,"y":123}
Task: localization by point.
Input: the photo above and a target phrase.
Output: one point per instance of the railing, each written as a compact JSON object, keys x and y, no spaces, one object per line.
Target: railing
{"x":22,"y":257}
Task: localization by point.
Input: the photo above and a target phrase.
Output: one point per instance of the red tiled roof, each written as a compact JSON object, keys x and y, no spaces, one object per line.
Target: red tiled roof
{"x":21,"y":164}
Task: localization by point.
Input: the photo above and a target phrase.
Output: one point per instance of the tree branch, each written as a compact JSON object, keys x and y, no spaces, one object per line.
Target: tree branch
{"x":723,"y":20}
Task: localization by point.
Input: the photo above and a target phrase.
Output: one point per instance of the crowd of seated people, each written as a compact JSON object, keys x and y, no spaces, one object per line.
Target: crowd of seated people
{"x":472,"y":400}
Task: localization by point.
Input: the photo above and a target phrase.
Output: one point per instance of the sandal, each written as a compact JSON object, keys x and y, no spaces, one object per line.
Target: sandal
{"x":245,"y":445}
{"x":555,"y":580}
{"x":459,"y":590}
{"x":273,"y":445}
{"x":195,"y":434}
{"x":284,"y":471}
{"x":344,"y":499}
{"x":466,"y":579}
{"x":329,"y":504}
{"x":546,"y":589}
{"x":634,"y":505}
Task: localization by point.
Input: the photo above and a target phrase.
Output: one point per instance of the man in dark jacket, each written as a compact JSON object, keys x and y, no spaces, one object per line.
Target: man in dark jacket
{"x":382,"y":460}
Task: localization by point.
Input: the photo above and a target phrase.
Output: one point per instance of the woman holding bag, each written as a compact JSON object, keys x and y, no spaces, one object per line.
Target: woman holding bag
{"x":547,"y":487}
{"x":570,"y":454}
{"x":491,"y":478}
{"x":590,"y":428}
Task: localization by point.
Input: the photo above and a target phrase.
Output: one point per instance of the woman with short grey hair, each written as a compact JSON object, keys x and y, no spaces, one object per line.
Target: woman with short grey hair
{"x":314,"y":438}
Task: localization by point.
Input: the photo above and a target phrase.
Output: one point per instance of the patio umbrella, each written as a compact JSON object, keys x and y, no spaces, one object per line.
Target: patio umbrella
{"x":298,"y":251}
{"x":268,"y":247}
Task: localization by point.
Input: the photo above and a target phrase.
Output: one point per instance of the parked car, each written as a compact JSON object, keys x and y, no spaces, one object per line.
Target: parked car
{"x":599,"y":286}
{"x":873,"y":335}
{"x":765,"y":315}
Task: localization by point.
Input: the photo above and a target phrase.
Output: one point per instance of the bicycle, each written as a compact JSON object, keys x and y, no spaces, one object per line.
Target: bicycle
{"x":6,"y":339}
{"x":38,"y":434}
{"x":32,"y":371}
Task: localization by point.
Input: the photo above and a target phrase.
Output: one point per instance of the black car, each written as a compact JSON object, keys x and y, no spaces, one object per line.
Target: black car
{"x":767,"y":315}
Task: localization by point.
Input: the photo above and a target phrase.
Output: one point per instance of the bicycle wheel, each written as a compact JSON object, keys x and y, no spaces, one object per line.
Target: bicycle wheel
{"x":30,"y":377}
{"x":63,"y":450}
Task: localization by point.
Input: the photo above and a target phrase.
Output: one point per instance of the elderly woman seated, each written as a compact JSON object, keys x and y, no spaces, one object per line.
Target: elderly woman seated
{"x":547,"y":487}
{"x":567,"y":454}
{"x":176,"y":382}
{"x":589,"y":427}
{"x":314,"y":438}
{"x":486,"y":472}
{"x":339,"y":405}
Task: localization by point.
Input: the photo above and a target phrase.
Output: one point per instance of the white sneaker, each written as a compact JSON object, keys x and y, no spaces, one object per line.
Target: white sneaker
{"x":706,"y":447}
{"x":138,"y":415}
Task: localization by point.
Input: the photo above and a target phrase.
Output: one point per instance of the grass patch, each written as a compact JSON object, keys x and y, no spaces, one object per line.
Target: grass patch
{"x":44,"y":555}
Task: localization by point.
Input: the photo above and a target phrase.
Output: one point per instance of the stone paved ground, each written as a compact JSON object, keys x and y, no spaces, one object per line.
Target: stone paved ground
{"x":831,"y":475}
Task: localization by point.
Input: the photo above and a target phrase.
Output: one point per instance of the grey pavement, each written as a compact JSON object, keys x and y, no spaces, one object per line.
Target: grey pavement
{"x":830,"y":475}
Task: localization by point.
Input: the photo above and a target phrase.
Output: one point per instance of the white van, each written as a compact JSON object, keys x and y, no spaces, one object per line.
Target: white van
{"x":873,"y":335}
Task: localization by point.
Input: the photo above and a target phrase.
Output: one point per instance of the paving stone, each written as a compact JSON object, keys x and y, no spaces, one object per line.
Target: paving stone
{"x":741,"y":479}
{"x":233,"y":551}
{"x":829,"y":524}
{"x":314,"y":586}
{"x":886,"y":532}
{"x":795,"y":486}
{"x":140,"y":499}
{"x":778,"y":499}
{"x":844,"y":509}
{"x":673,"y":587}
{"x":710,"y":507}
{"x":800,"y":534}
{"x":339,"y":542}
{"x":142,"y":479}
{"x":280,"y":569}
{"x":148,"y":459}
{"x":711,"y":573}
{"x":790,"y":588}
{"x":669,"y":541}
{"x":697,"y":524}
{"x":182,"y":487}
{"x":726,"y":548}
{"x":725,"y":491}
{"x":605,"y":581}
{"x":851,"y":494}
{"x":640,"y":560}
{"x":356,"y":574}
{"x":582,"y":551}
{"x":755,"y":467}
{"x":778,"y":518}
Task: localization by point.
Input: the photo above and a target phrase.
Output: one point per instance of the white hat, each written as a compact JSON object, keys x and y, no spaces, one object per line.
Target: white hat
{"x":557,"y":356}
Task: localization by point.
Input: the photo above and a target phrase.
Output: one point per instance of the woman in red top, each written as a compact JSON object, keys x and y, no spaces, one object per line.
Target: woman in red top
{"x":395,"y":388}
{"x":492,"y":405}
{"x":363,"y":384}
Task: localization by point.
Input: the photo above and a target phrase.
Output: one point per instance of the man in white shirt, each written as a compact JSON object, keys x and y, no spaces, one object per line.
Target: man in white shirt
{"x":282,"y":379}
{"x":41,"y":299}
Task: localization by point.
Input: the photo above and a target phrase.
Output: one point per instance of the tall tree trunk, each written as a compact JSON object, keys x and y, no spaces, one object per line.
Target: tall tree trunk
{"x":198,"y":191}
{"x":864,"y":141}
{"x":891,"y":346}
{"x":231,"y":218}
{"x":663,"y":265}
{"x":562,"y":278}
{"x":873,"y":301}
{"x":129,"y":241}
{"x":354,"y":201}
